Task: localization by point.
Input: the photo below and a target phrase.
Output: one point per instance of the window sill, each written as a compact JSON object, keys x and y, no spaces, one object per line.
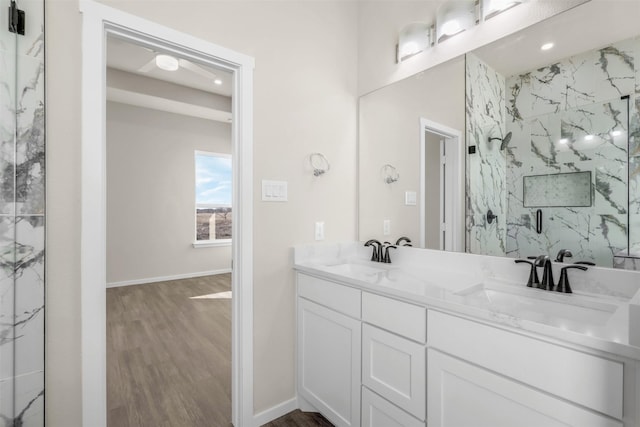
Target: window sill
{"x":211,"y":243}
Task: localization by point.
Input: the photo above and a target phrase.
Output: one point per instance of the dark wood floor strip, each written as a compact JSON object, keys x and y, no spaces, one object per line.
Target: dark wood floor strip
{"x":298,"y":418}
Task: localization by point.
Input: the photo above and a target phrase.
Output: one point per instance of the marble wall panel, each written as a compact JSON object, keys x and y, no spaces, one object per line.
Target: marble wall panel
{"x":486,"y":168}
{"x":7,"y":132}
{"x":22,"y":208}
{"x":569,"y":116}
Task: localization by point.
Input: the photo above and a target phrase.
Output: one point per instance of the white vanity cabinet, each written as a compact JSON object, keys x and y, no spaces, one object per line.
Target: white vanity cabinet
{"x":394,"y":353}
{"x":484,"y":376}
{"x":329,"y":349}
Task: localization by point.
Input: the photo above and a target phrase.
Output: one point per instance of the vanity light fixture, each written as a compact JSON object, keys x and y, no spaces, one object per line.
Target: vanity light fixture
{"x":454,"y":17}
{"x":547,"y":46}
{"x":491,"y":8}
{"x":167,"y":62}
{"x":412,"y":39}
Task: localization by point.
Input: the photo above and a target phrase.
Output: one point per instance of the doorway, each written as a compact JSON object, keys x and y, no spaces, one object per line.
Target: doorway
{"x":169,"y":185}
{"x":98,"y":22}
{"x":440,"y":179}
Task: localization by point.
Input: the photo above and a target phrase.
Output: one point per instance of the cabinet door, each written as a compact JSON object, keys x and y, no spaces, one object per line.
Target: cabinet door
{"x":395,"y":368}
{"x":461,"y":394}
{"x":378,"y":412}
{"x":329,"y":362}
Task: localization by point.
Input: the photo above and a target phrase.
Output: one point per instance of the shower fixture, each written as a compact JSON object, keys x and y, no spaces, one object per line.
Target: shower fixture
{"x":505,"y":140}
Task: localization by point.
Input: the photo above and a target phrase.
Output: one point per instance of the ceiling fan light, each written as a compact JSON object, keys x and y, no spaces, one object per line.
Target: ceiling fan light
{"x":167,"y":62}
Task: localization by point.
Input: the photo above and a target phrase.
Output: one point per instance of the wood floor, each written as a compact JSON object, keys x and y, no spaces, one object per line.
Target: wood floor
{"x":168,"y":355}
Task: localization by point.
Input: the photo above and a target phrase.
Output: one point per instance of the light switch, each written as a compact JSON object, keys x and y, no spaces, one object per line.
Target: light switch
{"x":274,"y":191}
{"x":410,"y":198}
{"x":386,"y":227}
{"x":320,"y":230}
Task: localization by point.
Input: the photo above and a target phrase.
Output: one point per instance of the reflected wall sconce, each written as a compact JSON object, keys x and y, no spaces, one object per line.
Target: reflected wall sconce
{"x":319,"y":164}
{"x":454,"y":17}
{"x":390,"y":174}
{"x":491,"y":8}
{"x":413,"y":39}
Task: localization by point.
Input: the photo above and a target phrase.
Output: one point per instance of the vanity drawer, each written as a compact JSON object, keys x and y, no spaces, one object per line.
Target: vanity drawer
{"x":591,"y":381}
{"x":395,"y":368}
{"x":338,"y":297}
{"x":400,"y":317}
{"x":378,"y":412}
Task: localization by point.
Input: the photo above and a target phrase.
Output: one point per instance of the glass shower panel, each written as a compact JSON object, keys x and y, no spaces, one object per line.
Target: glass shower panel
{"x":22,"y":209}
{"x":8,"y":49}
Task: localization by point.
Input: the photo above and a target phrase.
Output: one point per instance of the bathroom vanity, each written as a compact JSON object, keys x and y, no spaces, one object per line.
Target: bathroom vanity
{"x":453,"y":339}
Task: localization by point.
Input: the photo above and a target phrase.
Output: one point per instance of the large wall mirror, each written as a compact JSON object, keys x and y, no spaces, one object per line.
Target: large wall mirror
{"x":513,"y":150}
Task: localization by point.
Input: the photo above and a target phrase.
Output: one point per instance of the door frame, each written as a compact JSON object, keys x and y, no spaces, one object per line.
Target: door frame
{"x":97,"y":21}
{"x":457,"y":207}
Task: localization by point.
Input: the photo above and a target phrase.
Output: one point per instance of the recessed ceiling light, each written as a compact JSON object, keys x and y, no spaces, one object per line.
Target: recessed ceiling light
{"x":217,"y":81}
{"x":167,"y":62}
{"x":546,"y":46}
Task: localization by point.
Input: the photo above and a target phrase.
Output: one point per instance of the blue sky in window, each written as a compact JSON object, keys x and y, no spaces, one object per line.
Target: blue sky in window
{"x":213,"y":180}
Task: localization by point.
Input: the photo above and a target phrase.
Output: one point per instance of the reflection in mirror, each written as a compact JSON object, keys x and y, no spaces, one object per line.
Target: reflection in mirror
{"x":564,"y":117}
{"x":528,"y":113}
{"x":409,"y":125}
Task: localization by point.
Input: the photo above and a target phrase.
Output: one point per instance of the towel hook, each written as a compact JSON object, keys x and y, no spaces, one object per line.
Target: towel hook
{"x":319,"y":163}
{"x":390,"y":174}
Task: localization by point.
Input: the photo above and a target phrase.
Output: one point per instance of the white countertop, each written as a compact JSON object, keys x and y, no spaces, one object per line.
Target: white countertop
{"x":490,"y":289}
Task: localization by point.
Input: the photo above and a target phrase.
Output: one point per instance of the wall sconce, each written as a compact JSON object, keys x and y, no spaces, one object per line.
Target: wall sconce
{"x":390,"y":174}
{"x":412,"y":39}
{"x":455,"y":16}
{"x":319,"y":164}
{"x":491,"y":8}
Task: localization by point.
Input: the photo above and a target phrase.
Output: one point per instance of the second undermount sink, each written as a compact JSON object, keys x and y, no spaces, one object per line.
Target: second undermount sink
{"x":569,"y":311}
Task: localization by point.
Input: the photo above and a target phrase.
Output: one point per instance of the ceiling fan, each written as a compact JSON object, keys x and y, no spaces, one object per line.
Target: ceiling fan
{"x":171,"y":63}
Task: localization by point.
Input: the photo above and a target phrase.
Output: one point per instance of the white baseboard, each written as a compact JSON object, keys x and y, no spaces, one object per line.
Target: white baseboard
{"x":275,"y":412}
{"x":165,"y":278}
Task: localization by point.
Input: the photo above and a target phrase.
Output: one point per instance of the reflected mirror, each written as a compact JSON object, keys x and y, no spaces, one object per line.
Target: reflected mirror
{"x":513,"y":150}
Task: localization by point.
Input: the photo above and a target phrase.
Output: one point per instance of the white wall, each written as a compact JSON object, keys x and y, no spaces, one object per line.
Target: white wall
{"x":151,"y":193}
{"x":380,"y":21}
{"x":304,"y":102}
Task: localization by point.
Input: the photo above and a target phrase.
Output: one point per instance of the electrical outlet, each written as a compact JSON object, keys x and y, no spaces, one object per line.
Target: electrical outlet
{"x":320,"y":230}
{"x":386,"y":227}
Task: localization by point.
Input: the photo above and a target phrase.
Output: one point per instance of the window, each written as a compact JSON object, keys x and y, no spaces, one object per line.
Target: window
{"x":213,"y":198}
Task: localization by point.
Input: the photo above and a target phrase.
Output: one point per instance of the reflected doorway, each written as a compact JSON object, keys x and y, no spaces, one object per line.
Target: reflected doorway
{"x":441,"y":196}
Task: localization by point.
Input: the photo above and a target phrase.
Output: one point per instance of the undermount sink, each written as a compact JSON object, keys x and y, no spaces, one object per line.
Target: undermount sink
{"x":354,"y":269}
{"x":570,"y":311}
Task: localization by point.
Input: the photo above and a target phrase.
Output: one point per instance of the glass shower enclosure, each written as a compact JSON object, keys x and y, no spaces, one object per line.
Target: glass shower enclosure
{"x":22,"y":213}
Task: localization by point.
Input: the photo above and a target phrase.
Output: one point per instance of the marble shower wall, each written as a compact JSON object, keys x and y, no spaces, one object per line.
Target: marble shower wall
{"x":566,"y":117}
{"x":486,"y":168}
{"x":569,"y":117}
{"x":22,"y":219}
